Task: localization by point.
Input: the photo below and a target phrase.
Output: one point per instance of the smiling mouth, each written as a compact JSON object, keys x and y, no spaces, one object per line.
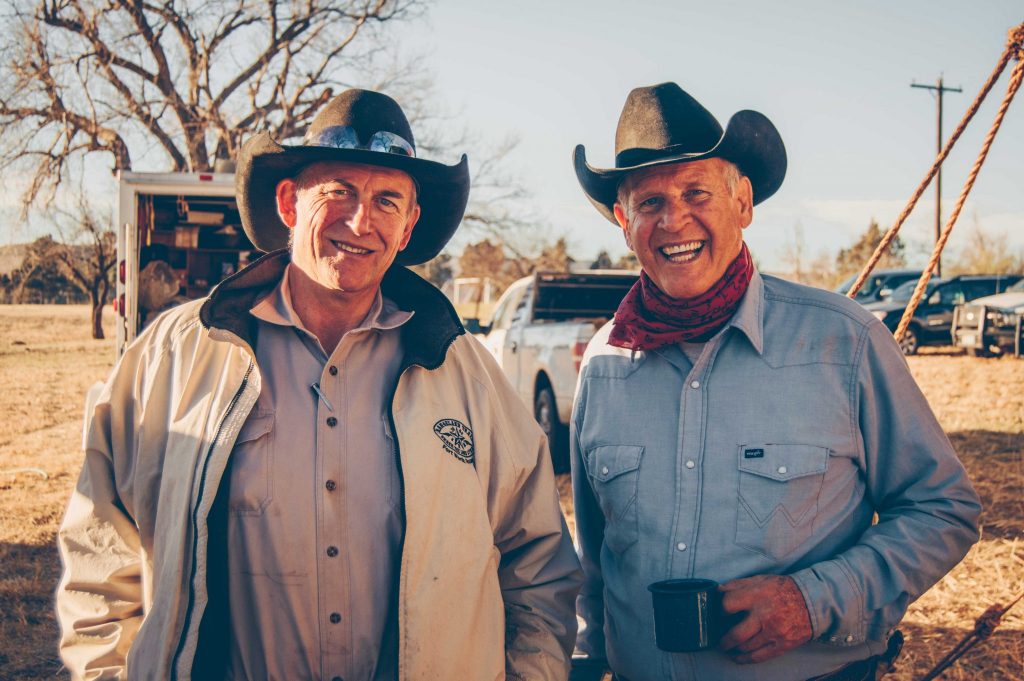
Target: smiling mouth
{"x":684,"y":252}
{"x":348,"y":248}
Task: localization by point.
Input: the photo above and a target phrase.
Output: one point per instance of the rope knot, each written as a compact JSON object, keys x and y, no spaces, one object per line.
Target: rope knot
{"x":1015,"y":42}
{"x":986,"y":625}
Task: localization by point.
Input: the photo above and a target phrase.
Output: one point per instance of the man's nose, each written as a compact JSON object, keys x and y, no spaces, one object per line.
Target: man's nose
{"x":675,"y":216}
{"x":359,"y":222}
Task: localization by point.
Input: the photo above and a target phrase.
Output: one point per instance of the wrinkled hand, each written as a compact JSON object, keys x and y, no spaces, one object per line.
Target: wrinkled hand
{"x":776,"y":621}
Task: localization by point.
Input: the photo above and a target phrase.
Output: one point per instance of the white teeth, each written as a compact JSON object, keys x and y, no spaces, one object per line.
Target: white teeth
{"x":682,"y":252}
{"x":349,"y":249}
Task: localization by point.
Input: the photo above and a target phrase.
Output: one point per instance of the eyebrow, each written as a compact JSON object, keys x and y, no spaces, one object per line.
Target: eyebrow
{"x":391,"y":194}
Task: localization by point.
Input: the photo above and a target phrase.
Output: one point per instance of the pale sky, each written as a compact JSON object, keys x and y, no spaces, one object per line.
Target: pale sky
{"x":833,"y":76}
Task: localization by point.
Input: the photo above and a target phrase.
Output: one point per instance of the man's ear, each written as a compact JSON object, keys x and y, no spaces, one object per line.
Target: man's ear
{"x":287,"y":197}
{"x":620,"y":217}
{"x":745,"y":196}
{"x":414,"y":216}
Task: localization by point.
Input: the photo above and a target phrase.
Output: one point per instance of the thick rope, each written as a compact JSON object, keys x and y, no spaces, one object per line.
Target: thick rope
{"x":1011,"y":89}
{"x":984,"y":627}
{"x":1013,"y":49}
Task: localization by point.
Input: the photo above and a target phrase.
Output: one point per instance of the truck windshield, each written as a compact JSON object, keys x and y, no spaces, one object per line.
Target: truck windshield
{"x":905,"y":291}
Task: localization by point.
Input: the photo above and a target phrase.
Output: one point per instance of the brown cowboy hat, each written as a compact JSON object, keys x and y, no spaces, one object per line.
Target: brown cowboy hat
{"x":662,"y":124}
{"x":357,"y":126}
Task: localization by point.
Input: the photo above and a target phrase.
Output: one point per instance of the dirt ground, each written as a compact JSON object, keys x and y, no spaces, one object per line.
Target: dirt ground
{"x":47,"y":361}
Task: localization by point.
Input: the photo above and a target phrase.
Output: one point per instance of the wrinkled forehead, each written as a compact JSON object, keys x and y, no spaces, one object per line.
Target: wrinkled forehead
{"x":707,"y":169}
{"x":356,"y":174}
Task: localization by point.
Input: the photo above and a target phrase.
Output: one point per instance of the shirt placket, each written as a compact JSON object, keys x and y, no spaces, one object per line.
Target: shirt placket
{"x":332,"y":521}
{"x":690,"y":464}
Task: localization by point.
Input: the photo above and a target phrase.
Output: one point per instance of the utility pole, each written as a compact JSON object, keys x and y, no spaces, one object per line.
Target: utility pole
{"x":939,"y":89}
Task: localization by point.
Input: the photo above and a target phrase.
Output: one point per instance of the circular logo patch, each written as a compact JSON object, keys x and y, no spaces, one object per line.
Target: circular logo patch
{"x":457,"y":439}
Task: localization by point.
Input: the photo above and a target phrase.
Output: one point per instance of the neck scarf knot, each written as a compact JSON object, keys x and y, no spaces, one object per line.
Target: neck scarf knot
{"x":648,"y":318}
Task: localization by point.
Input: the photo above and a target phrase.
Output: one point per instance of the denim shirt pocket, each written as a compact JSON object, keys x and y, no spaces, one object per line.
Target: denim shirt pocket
{"x":778,"y":491}
{"x":252,"y":480}
{"x":613,"y":472}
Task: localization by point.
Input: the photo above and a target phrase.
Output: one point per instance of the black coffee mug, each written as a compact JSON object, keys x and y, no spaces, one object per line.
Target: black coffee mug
{"x":687,"y":614}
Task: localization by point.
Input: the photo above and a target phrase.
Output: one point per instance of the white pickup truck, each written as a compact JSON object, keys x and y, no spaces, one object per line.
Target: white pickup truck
{"x":539,"y":330}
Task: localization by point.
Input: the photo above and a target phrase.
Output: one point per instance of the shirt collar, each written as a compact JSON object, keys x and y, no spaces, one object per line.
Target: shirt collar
{"x":749,"y":316}
{"x":276,"y":308}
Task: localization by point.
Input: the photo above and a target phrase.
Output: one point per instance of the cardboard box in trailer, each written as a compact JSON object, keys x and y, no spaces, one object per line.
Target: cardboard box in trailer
{"x":178,"y":236}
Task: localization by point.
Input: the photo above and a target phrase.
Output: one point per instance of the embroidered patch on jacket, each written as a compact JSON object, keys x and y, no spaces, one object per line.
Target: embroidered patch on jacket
{"x":457,"y":439}
{"x":753,"y":453}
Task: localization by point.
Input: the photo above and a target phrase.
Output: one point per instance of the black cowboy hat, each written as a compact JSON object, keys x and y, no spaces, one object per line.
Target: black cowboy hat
{"x":357,"y":126}
{"x":662,"y":124}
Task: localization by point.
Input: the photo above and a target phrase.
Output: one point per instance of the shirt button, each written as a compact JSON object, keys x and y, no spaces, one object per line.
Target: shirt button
{"x":335,"y":618}
{"x":680,"y":546}
{"x":333,"y":370}
{"x":604,"y":470}
{"x":849,"y":638}
{"x":690,"y":464}
{"x":332,"y":551}
{"x":832,"y":639}
{"x":330,"y":485}
{"x":782,"y":470}
{"x":331,"y":421}
{"x":695,"y":384}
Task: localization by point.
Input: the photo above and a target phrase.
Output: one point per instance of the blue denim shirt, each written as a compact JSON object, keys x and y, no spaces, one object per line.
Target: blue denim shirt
{"x":770,"y":455}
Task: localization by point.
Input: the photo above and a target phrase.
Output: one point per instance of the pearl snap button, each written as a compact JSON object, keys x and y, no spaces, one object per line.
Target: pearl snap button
{"x":695,"y":384}
{"x":680,"y":546}
{"x":690,"y":464}
{"x":849,"y":638}
{"x":604,"y":470}
{"x":782,"y":470}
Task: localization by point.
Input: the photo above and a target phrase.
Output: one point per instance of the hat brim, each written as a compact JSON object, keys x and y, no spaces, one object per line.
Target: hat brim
{"x":443,"y":192}
{"x":750,"y":141}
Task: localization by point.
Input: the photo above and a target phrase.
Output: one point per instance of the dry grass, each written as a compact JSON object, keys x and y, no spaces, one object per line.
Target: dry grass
{"x":48,"y":361}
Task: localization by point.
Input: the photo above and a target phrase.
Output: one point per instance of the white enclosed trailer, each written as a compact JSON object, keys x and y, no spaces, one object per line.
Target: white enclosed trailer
{"x":188,"y":220}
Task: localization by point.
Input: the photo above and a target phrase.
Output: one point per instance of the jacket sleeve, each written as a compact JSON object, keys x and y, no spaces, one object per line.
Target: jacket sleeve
{"x":927,"y":509}
{"x":538,"y":572}
{"x":589,"y":538}
{"x":99,"y":597}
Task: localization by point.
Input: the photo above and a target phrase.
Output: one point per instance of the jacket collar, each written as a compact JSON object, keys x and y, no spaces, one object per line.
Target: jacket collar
{"x":425,"y":337}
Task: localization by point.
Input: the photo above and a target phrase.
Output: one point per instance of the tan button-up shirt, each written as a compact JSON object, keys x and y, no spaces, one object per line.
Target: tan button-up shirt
{"x":315,"y":526}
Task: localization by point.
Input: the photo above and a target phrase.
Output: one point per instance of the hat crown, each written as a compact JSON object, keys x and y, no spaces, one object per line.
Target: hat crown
{"x":662,"y":117}
{"x":366,"y":112}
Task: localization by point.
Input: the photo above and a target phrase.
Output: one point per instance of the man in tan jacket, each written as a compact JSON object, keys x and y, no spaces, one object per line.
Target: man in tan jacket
{"x":315,"y":472}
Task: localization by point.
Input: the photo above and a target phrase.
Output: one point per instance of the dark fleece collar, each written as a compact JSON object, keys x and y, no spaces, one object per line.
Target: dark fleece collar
{"x":425,"y":337}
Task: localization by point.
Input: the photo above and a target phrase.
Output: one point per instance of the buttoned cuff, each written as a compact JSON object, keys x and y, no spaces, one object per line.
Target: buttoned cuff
{"x":834,"y":603}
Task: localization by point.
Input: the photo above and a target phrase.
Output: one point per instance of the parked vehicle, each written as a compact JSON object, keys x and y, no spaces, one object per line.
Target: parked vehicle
{"x":991,"y":325}
{"x":932,"y":322}
{"x":539,"y":331}
{"x":179,"y":235}
{"x":879,"y":285}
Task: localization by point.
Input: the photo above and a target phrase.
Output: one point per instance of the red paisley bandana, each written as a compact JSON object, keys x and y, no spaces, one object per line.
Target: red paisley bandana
{"x":648,"y":318}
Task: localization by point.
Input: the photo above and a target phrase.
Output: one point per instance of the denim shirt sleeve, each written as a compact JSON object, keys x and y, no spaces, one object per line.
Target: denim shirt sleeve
{"x":927,"y":509}
{"x":589,"y":538}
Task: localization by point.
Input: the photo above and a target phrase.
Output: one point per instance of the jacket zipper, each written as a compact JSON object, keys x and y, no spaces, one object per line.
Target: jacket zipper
{"x":401,"y":485}
{"x":195,"y":522}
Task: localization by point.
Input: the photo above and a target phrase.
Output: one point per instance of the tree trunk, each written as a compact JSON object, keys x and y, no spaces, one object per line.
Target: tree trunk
{"x":97,"y":316}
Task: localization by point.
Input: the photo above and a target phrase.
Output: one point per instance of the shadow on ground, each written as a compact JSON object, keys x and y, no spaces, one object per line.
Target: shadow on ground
{"x":28,"y":626}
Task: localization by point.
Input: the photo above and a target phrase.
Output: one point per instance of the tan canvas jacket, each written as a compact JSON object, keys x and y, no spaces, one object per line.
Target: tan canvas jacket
{"x":488,"y":574}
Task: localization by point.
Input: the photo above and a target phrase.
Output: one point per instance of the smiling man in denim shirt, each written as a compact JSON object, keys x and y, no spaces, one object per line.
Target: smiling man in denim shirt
{"x":737,"y":427}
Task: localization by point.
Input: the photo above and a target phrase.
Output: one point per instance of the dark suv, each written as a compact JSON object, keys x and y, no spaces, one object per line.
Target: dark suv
{"x":879,"y":284}
{"x":933,"y":320}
